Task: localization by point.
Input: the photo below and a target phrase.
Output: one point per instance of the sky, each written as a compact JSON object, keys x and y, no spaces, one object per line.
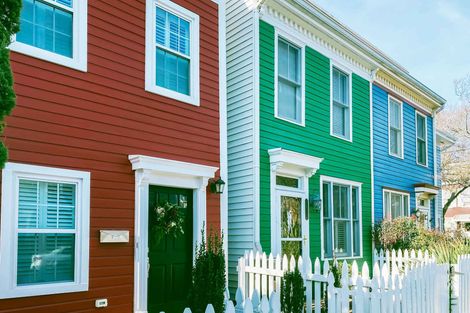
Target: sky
{"x":430,"y":38}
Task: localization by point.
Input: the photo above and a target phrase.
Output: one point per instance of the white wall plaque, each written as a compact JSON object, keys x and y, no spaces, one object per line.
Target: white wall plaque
{"x":114,"y":236}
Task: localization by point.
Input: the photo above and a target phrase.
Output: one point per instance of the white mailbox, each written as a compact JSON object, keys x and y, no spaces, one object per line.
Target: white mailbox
{"x":114,"y":236}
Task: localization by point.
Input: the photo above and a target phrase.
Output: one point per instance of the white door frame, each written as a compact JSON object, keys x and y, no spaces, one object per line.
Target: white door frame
{"x":301,"y":193}
{"x":167,"y":173}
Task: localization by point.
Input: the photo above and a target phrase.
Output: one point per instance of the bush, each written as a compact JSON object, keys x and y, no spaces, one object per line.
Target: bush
{"x":407,"y":233}
{"x":292,"y":292}
{"x":208,"y":275}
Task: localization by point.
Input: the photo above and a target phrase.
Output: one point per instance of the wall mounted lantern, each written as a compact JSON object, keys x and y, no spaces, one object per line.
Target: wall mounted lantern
{"x":315,"y":202}
{"x":217,"y":186}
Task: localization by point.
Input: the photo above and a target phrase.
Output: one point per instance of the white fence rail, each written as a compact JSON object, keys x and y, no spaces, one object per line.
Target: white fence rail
{"x":399,"y":284}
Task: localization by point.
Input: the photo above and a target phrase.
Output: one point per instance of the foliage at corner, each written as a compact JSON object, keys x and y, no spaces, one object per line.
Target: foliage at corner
{"x":408,"y":233}
{"x":292,"y":292}
{"x":208,"y":275}
{"x":9,"y":25}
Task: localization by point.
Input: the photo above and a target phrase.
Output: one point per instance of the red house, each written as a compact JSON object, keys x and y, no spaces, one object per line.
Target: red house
{"x":120,"y":106}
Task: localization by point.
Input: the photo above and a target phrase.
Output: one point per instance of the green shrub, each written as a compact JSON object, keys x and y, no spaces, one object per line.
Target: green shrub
{"x":292,"y":292}
{"x":399,"y":233}
{"x":208,"y":275}
{"x":448,"y":251}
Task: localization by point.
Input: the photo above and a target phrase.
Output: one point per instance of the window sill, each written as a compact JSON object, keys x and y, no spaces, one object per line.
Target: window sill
{"x":42,"y":290}
{"x":193,"y":100}
{"x":75,"y":63}
{"x":289,"y":121}
{"x":341,"y":137}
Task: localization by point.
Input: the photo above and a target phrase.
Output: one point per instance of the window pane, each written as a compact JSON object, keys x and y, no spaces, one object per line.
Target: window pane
{"x":172,"y":32}
{"x":294,"y":64}
{"x":395,"y":114}
{"x":421,"y":127}
{"x":339,"y":119}
{"x":387,"y":205}
{"x":288,"y":101}
{"x":291,"y":248}
{"x":45,"y":258}
{"x":421,"y":151}
{"x":396,"y":205}
{"x":287,"y":181}
{"x":172,"y":71}
{"x":291,"y":211}
{"x":336,"y":201}
{"x":46,"y":27}
{"x":340,"y":87}
{"x":355,"y":203}
{"x":46,"y":205}
{"x":357,"y":238}
{"x":283,"y":59}
{"x":67,"y":3}
{"x":326,"y":200}
{"x":328,"y":242}
{"x":342,"y":242}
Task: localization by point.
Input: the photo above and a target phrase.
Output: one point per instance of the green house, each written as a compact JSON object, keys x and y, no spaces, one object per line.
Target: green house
{"x":299,"y":148}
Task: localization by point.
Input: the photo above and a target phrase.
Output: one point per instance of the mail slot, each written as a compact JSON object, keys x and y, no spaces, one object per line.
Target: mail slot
{"x":114,"y":236}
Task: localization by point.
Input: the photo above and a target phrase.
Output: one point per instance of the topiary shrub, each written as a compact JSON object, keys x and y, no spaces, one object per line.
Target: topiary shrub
{"x":208,"y":275}
{"x":292,"y":292}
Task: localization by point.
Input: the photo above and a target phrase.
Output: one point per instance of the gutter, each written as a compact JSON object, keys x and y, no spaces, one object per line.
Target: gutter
{"x":365,"y":47}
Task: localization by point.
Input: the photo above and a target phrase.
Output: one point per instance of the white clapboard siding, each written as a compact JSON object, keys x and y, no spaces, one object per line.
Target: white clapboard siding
{"x":240,"y":131}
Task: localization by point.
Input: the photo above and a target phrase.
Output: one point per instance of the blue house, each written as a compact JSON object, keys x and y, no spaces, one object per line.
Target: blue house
{"x":405,"y":161}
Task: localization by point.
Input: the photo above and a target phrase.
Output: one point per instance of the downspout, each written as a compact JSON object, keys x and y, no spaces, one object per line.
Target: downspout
{"x":223,"y":129}
{"x":256,"y":152}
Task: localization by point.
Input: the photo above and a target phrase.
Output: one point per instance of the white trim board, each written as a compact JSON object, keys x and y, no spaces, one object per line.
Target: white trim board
{"x":163,"y":172}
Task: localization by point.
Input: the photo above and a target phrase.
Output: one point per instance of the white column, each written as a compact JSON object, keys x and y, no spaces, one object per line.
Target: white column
{"x":200,"y":211}
{"x":141,"y":241}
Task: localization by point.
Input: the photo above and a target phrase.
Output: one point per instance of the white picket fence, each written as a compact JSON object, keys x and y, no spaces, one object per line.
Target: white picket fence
{"x":412,"y":284}
{"x":462,"y":271}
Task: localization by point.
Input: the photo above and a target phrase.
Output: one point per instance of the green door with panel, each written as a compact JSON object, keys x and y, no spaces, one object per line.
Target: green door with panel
{"x":170,"y":259}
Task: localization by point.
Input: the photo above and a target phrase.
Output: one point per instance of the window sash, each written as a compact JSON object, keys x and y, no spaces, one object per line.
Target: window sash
{"x":421,"y":139}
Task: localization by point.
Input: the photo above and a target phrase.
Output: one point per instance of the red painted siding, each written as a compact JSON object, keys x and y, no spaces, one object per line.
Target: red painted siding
{"x":92,"y":121}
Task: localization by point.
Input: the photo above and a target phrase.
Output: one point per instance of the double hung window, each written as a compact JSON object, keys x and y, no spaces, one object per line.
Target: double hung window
{"x":396,"y":204}
{"x":54,"y":30}
{"x":421,"y":140}
{"x":341,"y":106}
{"x":44,"y":230}
{"x":341,"y":219}
{"x":289,"y":82}
{"x":395,"y":127}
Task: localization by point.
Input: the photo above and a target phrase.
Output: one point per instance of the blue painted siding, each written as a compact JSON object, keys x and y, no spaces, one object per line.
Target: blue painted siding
{"x":390,"y":171}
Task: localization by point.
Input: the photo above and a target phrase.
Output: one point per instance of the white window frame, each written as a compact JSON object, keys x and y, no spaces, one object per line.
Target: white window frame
{"x":425,"y":138}
{"x":150,"y":51}
{"x":351,"y":184}
{"x":301,"y":45}
{"x":80,"y":46}
{"x":349,"y":73}
{"x":9,"y":221}
{"x":402,"y":152}
{"x":402,"y":194}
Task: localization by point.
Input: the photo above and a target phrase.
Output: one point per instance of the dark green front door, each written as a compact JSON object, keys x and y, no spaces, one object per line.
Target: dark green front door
{"x":170,"y":259}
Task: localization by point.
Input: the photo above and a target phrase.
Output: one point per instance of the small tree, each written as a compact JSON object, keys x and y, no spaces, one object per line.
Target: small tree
{"x":455,"y":163}
{"x":208,"y":275}
{"x":292,"y":292}
{"x":9,"y":25}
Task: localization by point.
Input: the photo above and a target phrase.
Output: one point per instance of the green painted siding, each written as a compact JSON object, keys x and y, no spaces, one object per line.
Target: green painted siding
{"x":342,"y":159}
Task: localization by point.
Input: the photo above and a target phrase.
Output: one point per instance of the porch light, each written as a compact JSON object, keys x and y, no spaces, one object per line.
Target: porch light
{"x":315,"y":201}
{"x":217,"y":186}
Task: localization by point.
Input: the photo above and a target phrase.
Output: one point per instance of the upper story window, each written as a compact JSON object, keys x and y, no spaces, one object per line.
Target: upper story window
{"x":395,"y":127}
{"x":289,"y":82}
{"x":341,"y":218}
{"x":172,"y":51}
{"x":54,"y":30}
{"x":44,"y":237}
{"x":421,"y":140}
{"x":341,"y":105}
{"x":396,"y":204}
